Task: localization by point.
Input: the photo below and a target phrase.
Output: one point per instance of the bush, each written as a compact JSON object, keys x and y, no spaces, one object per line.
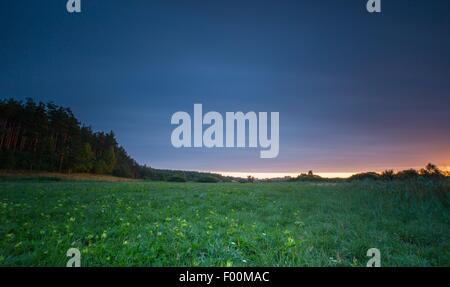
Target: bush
{"x":364,"y":176}
{"x":208,"y":179}
{"x":177,"y":178}
{"x":408,"y":174}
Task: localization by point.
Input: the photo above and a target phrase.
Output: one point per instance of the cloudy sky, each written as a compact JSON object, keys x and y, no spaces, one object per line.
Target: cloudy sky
{"x":355,"y":91}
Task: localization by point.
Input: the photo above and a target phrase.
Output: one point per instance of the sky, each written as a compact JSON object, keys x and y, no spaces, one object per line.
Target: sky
{"x":355,"y":91}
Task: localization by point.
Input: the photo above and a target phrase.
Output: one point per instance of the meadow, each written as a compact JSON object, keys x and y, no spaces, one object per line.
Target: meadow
{"x":143,"y":223}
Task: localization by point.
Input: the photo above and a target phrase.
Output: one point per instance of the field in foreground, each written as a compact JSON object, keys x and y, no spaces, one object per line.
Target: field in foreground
{"x":194,"y":224}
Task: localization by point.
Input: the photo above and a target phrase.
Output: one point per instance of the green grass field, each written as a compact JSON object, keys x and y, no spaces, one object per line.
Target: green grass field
{"x":230,"y":224}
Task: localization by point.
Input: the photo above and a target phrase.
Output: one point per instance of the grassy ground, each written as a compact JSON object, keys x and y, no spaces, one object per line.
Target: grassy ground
{"x":55,"y":176}
{"x":190,"y":224}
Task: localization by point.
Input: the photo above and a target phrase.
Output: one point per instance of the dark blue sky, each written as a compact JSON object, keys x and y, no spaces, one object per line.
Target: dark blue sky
{"x":355,"y":91}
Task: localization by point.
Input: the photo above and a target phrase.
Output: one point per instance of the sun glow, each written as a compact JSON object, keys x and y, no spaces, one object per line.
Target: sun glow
{"x":263,"y":175}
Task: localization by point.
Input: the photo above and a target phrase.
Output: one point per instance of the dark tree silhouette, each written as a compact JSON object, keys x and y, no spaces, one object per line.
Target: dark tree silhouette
{"x":47,"y":137}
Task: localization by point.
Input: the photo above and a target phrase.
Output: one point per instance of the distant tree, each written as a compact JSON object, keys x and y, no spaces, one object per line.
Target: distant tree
{"x":127,"y":167}
{"x":365,"y":176}
{"x":250,"y":179}
{"x":407,"y":174}
{"x":109,"y":158}
{"x":387,"y":175}
{"x":431,"y":170}
{"x":310,"y":176}
{"x":85,"y":159}
{"x":177,"y":178}
{"x":208,"y":179}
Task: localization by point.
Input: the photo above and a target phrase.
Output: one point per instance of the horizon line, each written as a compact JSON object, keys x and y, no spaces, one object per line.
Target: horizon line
{"x":266,"y":175}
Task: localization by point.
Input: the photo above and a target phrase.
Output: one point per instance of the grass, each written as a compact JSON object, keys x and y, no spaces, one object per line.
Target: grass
{"x":230,"y":224}
{"x":55,"y":176}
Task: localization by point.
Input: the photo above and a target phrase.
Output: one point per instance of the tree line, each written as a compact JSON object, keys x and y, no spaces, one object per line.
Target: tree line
{"x":46,"y":137}
{"x":430,"y":171}
{"x":38,"y":136}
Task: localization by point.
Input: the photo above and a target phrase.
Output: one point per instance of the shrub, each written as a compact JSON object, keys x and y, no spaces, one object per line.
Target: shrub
{"x":208,"y":179}
{"x":365,"y":175}
{"x":177,"y":178}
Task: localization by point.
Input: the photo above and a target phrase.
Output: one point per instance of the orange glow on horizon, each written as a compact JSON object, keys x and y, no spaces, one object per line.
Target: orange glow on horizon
{"x":263,"y":175}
